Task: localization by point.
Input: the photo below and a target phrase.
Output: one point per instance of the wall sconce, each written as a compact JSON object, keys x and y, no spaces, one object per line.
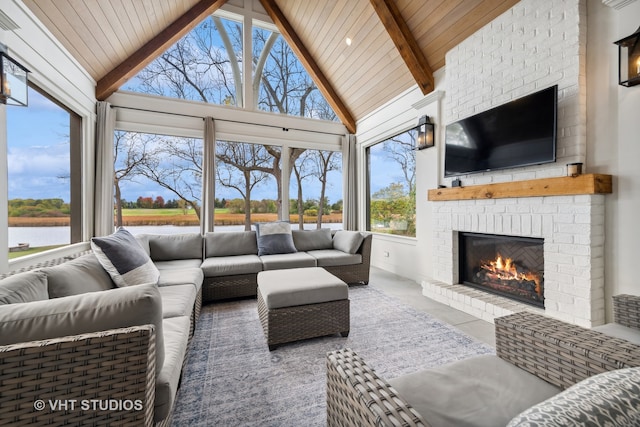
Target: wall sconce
{"x":426,"y":136}
{"x":629,"y":60}
{"x":13,"y":80}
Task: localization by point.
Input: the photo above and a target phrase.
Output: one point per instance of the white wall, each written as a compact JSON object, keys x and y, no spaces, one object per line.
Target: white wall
{"x":613,"y":143}
{"x":57,"y":73}
{"x":409,"y":257}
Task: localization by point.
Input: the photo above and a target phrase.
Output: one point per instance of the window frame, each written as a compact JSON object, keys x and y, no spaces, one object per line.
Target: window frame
{"x":366,"y":174}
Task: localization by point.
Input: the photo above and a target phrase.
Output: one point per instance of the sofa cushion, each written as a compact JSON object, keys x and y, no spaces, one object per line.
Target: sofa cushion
{"x":24,"y":287}
{"x":80,"y":275}
{"x":310,"y":240}
{"x":182,"y":276}
{"x":177,"y":264}
{"x":177,"y":300}
{"x":165,"y":247}
{"x":124,"y":259}
{"x":479,"y":391}
{"x":231,"y":265}
{"x":334,"y":257}
{"x":608,"y":399}
{"x":230,"y":243}
{"x":89,"y":312}
{"x":294,"y":260}
{"x":347,"y":241}
{"x":176,"y":335}
{"x":274,"y":238}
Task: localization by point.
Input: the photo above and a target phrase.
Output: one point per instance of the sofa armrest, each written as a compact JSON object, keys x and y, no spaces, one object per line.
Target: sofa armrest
{"x":357,"y":396}
{"x":59,"y":381}
{"x":626,"y":310}
{"x":558,"y":352}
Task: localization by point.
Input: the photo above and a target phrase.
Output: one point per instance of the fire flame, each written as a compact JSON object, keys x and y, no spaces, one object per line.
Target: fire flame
{"x":505,"y":269}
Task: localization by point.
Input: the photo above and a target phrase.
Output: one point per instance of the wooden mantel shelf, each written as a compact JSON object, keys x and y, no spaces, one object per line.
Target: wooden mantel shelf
{"x":560,"y":186}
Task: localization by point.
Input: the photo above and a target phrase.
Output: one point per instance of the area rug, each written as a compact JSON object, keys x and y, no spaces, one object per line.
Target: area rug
{"x":232,"y":379}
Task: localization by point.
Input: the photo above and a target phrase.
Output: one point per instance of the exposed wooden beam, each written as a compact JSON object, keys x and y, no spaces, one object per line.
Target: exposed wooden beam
{"x":310,"y":65}
{"x":155,"y":47}
{"x":405,"y":43}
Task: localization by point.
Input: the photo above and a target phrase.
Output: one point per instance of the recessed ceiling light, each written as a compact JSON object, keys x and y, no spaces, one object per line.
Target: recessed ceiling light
{"x":348,"y":41}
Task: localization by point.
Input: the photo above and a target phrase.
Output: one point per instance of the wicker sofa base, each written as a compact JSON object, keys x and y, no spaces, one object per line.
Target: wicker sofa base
{"x":227,"y":287}
{"x":288,"y":324}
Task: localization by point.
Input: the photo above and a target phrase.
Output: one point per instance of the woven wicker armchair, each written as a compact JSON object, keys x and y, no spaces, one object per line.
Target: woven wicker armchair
{"x":555,"y":351}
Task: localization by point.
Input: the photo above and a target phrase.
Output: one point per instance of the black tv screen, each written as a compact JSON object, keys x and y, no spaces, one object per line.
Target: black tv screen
{"x":521,"y":132}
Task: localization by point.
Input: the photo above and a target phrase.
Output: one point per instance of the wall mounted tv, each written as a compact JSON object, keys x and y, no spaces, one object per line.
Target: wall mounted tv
{"x":521,"y":132}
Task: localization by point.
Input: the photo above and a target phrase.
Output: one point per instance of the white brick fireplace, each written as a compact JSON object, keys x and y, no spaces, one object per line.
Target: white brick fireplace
{"x":573,"y":231}
{"x":534,"y":45}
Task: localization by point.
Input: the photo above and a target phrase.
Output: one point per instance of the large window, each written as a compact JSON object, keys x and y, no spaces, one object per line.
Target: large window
{"x":44,"y":160}
{"x":158,"y":183}
{"x":207,"y":65}
{"x":391,"y":167}
{"x":315,"y":191}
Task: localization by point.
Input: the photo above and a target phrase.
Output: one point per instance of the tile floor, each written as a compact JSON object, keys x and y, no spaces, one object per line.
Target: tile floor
{"x":410,"y":293}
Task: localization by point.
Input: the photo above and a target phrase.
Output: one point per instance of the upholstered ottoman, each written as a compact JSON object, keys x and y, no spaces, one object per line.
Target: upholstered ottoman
{"x":300,"y":303}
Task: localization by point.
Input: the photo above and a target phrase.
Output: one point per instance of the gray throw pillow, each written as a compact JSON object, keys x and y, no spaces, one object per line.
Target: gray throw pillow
{"x":347,"y":241}
{"x":24,"y":287}
{"x":275,"y":238}
{"x":124,"y":259}
{"x":608,"y":399}
{"x":80,"y":275}
{"x":312,"y":240}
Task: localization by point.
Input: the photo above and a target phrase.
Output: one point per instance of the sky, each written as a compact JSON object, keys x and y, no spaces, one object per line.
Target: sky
{"x":38,"y":149}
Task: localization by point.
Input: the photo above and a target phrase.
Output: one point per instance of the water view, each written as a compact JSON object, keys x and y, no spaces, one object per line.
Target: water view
{"x":48,"y":236}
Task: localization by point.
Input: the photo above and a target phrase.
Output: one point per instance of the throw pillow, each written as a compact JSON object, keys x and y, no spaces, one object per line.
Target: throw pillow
{"x":312,"y":240}
{"x":274,"y":238}
{"x":24,"y":287}
{"x":124,"y":259}
{"x":608,"y":399}
{"x":347,"y":241}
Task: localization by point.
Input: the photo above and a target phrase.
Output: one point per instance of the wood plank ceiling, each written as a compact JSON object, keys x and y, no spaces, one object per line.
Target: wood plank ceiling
{"x":395,"y":44}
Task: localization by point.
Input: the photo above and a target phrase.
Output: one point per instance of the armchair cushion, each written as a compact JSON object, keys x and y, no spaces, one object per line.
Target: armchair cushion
{"x":619,"y":331}
{"x":275,"y":238}
{"x":608,"y":399}
{"x":479,"y":391}
{"x":124,"y":259}
{"x":24,"y":287}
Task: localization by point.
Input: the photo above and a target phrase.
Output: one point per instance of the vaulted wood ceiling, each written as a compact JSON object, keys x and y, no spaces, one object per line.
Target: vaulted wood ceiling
{"x":396,"y":44}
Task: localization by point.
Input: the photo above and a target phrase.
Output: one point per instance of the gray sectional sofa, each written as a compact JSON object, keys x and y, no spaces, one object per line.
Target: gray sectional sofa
{"x":70,"y":336}
{"x":232,"y":260}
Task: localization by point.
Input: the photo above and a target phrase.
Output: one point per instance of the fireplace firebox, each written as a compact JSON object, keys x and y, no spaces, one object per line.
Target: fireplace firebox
{"x":505,"y":265}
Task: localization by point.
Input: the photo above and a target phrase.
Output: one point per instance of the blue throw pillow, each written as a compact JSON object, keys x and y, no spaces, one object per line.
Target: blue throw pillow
{"x":124,"y":259}
{"x":274,"y":238}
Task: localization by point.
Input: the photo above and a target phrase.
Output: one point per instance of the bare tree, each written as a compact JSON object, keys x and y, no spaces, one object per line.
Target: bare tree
{"x":248,"y":159}
{"x":325,"y":162}
{"x":402,"y":151}
{"x":130,"y":153}
{"x":176,"y":165}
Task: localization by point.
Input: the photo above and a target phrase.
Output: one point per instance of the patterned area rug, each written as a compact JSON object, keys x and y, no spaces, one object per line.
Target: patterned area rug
{"x":232,"y":379}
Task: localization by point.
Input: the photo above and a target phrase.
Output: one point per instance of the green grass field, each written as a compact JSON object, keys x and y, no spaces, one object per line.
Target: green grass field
{"x":163,"y":212}
{"x":30,"y":251}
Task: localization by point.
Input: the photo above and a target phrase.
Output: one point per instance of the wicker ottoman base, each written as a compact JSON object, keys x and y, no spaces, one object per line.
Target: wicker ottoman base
{"x":286,"y":324}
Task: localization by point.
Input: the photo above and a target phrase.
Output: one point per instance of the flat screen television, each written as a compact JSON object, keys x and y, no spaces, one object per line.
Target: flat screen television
{"x":521,"y":132}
